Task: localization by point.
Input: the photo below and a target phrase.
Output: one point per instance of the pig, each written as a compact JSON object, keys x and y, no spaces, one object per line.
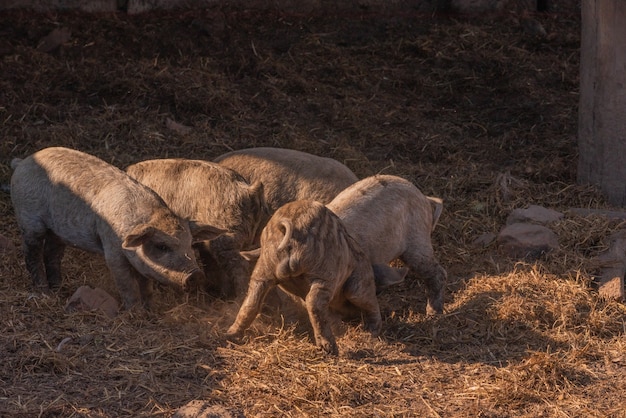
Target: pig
{"x":63,"y":196}
{"x":289,"y":175}
{"x":391,"y":219}
{"x":218,"y":196}
{"x":307,"y":251}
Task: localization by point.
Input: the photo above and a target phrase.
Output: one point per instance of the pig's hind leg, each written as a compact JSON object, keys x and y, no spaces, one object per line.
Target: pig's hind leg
{"x":428,"y":269}
{"x":33,"y":243}
{"x":53,"y":251}
{"x":318,"y":305}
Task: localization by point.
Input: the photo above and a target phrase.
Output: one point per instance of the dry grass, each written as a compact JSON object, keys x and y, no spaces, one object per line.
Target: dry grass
{"x":474,"y":110}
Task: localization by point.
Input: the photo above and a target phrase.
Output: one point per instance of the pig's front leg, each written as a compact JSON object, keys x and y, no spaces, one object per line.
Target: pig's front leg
{"x":146,"y":289}
{"x":362,"y":294}
{"x":257,"y":290}
{"x":317,"y":304}
{"x":233,"y":267}
{"x":124,"y":275}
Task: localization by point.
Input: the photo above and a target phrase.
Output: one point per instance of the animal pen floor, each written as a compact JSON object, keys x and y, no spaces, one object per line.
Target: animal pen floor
{"x":477,"y":110}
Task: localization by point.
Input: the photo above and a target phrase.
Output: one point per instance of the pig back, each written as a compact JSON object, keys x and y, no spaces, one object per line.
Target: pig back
{"x":385,"y":214}
{"x":289,"y":175}
{"x":206,"y":192}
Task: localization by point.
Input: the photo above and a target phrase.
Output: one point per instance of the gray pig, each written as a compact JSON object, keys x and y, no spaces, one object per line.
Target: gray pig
{"x":217,"y":196}
{"x":63,"y":196}
{"x":306,"y":251}
{"x":392,"y":219}
{"x":289,"y":175}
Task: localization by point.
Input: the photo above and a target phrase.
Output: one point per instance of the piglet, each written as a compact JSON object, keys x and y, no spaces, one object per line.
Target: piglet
{"x":391,"y":218}
{"x":306,"y":251}
{"x":63,"y":196}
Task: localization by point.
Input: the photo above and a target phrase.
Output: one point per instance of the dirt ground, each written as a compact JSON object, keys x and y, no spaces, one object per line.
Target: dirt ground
{"x":478,"y":110}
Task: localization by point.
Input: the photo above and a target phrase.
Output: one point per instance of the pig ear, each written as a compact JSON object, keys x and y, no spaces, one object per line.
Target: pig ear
{"x":201,"y":232}
{"x":252,"y":255}
{"x":257,"y":188}
{"x":386,"y":276}
{"x":139,"y":235}
{"x":437,"y":207}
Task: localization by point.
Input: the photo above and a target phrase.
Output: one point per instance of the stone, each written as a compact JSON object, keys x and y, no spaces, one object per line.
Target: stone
{"x":484,"y":240}
{"x":527,"y":241}
{"x":534,"y":214}
{"x":87,"y":299}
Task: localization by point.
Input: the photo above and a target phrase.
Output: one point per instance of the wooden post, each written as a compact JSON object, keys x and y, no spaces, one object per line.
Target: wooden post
{"x":602,"y":109}
{"x":613,"y":268}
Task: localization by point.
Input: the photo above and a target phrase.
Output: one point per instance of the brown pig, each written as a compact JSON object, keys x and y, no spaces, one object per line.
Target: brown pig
{"x":306,"y":251}
{"x":390,"y":218}
{"x":289,"y":175}
{"x":214,"y":195}
{"x":63,"y":196}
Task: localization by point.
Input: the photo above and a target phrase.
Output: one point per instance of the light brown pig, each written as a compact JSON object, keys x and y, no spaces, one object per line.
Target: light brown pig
{"x":217,"y":196}
{"x":289,"y":175}
{"x":63,"y":196}
{"x":390,"y":218}
{"x":306,"y":250}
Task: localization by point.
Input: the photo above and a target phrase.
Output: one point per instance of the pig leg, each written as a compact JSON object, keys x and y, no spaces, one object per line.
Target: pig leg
{"x":124,"y":275}
{"x":212,"y":272}
{"x":362,"y":294}
{"x":146,"y":289}
{"x":234,"y":270}
{"x":34,"y":256}
{"x":317,"y":304}
{"x":54,"y":248}
{"x":257,"y":290}
{"x":434,"y":276}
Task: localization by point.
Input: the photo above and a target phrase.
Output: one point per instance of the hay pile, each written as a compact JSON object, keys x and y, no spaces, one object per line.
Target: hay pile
{"x":476,"y":110}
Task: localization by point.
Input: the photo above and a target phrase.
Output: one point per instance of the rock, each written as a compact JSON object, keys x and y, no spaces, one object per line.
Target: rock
{"x":203,"y":409}
{"x":484,"y":240}
{"x":54,"y":39}
{"x":534,"y":214}
{"x":528,"y":241}
{"x":87,"y":299}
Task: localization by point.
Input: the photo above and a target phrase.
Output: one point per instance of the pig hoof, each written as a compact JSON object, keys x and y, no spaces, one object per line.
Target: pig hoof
{"x":329,"y":348}
{"x":234,"y":336}
{"x":374,"y":328}
{"x":431,"y":311}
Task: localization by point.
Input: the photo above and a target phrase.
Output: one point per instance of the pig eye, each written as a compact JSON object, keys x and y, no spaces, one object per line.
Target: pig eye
{"x":161,"y":247}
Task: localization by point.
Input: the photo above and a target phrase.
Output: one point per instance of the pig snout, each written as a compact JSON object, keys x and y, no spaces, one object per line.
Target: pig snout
{"x":193,"y":281}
